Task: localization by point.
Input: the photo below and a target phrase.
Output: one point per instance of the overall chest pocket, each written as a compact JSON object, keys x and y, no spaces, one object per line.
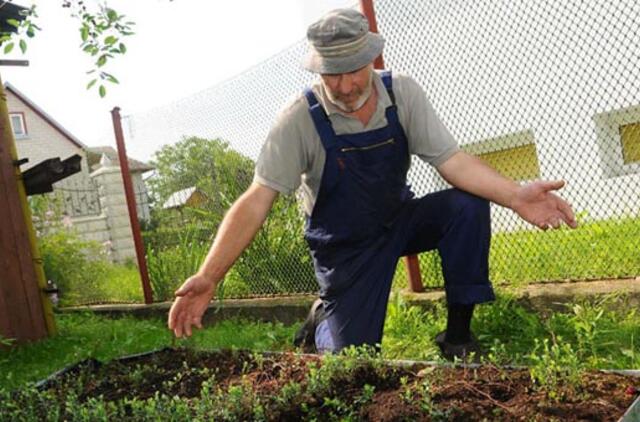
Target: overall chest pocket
{"x":368,"y":155}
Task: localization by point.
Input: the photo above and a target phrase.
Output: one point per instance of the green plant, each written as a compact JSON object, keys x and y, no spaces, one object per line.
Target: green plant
{"x":170,"y":267}
{"x":555,"y":368}
{"x":86,"y":335}
{"x":219,"y":172}
{"x":4,"y":341}
{"x":73,"y":264}
{"x":277,"y":261}
{"x":405,"y":322}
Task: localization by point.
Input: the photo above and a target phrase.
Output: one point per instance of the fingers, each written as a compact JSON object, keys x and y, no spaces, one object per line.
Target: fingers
{"x":554,"y":223}
{"x":191,"y":321}
{"x":177,"y":316}
{"x":183,"y":290}
{"x":567,"y":213}
{"x":173,"y":313}
{"x":544,"y":226}
{"x":549,"y":185}
{"x":181,"y":320}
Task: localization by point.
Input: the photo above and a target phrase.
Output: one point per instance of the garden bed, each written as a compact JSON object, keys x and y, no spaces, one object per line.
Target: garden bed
{"x":236,"y":385}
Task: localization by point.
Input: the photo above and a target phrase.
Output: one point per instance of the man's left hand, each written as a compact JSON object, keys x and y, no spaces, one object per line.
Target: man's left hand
{"x":536,"y":203}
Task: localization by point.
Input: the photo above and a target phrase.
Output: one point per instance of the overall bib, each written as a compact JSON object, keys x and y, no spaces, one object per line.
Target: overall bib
{"x":365,"y":218}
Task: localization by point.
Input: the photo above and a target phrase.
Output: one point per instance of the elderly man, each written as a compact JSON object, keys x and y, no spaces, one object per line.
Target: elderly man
{"x":347,"y":142}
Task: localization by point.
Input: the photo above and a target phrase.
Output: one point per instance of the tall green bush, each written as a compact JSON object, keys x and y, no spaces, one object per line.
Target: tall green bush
{"x":216,"y":170}
{"x":277,"y":261}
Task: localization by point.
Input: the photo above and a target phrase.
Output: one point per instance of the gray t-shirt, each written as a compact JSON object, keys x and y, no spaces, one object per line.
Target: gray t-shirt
{"x":293,"y":155}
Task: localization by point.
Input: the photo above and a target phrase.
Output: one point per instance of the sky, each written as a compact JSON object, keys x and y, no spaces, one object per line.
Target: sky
{"x":180,"y":47}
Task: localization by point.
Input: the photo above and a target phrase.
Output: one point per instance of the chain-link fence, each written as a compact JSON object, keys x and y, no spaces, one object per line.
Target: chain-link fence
{"x":539,"y":89}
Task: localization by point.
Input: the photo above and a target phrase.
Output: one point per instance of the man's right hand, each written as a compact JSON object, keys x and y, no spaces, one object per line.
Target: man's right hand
{"x":192,"y":299}
{"x":239,"y":226}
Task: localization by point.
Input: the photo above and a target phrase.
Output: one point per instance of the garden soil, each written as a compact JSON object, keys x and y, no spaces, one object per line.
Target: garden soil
{"x":366,"y":389}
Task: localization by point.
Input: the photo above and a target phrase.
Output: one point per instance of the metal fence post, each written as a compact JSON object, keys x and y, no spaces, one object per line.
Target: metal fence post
{"x":131,"y":205}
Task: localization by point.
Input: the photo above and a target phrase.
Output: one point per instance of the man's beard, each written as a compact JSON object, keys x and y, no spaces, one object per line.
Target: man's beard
{"x":357,"y":105}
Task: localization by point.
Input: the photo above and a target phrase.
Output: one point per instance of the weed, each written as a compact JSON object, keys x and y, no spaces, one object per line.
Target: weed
{"x":555,"y":368}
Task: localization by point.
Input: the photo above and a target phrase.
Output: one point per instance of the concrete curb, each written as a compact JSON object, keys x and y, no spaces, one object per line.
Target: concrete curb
{"x":542,"y":297}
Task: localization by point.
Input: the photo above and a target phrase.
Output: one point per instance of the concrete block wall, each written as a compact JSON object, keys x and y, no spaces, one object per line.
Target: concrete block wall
{"x":94,"y":228}
{"x":114,"y":209}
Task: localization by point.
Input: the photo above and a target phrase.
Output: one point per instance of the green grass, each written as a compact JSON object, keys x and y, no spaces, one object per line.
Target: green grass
{"x":122,"y":283}
{"x":595,"y":250}
{"x":83,"y":336}
{"x":601,"y":334}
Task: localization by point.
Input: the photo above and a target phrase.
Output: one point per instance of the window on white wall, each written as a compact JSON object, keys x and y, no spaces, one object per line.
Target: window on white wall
{"x":630,"y":142}
{"x":18,"y":125}
{"x":513,"y":155}
{"x":618,"y":134}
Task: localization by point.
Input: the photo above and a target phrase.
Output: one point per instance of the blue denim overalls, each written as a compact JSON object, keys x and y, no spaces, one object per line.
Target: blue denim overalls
{"x":364,"y":219}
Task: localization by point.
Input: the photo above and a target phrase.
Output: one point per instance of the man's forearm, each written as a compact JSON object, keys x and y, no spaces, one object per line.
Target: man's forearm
{"x":237,"y":230}
{"x":471,"y":174}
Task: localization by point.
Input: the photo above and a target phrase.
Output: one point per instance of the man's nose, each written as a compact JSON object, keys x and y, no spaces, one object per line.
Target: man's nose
{"x":346,"y":84}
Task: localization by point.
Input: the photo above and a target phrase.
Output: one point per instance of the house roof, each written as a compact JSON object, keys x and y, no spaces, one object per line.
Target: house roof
{"x":40,"y":112}
{"x":94,"y":154}
{"x":179,"y":198}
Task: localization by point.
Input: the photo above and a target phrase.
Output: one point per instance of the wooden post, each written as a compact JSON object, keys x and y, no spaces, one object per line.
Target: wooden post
{"x":131,"y":205}
{"x":25,"y":312}
{"x":410,"y":262}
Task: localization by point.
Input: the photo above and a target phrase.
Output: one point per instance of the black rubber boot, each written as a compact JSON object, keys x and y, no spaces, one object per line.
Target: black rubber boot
{"x":305,"y":337}
{"x":468,"y":352}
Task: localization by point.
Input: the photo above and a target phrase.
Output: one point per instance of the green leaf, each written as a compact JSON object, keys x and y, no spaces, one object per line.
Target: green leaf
{"x":84,"y":33}
{"x":8,"y":48}
{"x":123,"y":48}
{"x":101,"y":60}
{"x":111,"y":78}
{"x":91,"y":83}
{"x":112,"y":15}
{"x":102,"y":91}
{"x":110,"y":40}
{"x":23,"y":46}
{"x":13,"y":22}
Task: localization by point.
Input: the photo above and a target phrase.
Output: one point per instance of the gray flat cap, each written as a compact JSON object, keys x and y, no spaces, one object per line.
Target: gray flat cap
{"x":340,"y":42}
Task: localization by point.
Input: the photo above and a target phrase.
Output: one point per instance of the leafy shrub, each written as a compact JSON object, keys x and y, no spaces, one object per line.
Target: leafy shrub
{"x":73,"y":264}
{"x":278,"y":260}
{"x":170,"y":267}
{"x":555,"y":368}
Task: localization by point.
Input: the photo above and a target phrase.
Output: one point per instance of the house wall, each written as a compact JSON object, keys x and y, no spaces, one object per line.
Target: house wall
{"x":99,"y":212}
{"x":42,"y":140}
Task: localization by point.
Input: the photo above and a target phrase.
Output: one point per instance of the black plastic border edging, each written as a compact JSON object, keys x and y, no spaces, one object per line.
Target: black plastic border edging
{"x":632,"y":414}
{"x":46,"y":383}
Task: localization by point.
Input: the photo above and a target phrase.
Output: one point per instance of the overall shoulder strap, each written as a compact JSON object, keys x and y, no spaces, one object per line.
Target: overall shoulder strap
{"x":320,"y":119}
{"x":392,"y":111}
{"x":386,"y":80}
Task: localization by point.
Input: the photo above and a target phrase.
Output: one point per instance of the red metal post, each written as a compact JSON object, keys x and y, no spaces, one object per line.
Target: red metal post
{"x":131,"y":205}
{"x":412,"y":265}
{"x":410,"y":262}
{"x":367,"y":9}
